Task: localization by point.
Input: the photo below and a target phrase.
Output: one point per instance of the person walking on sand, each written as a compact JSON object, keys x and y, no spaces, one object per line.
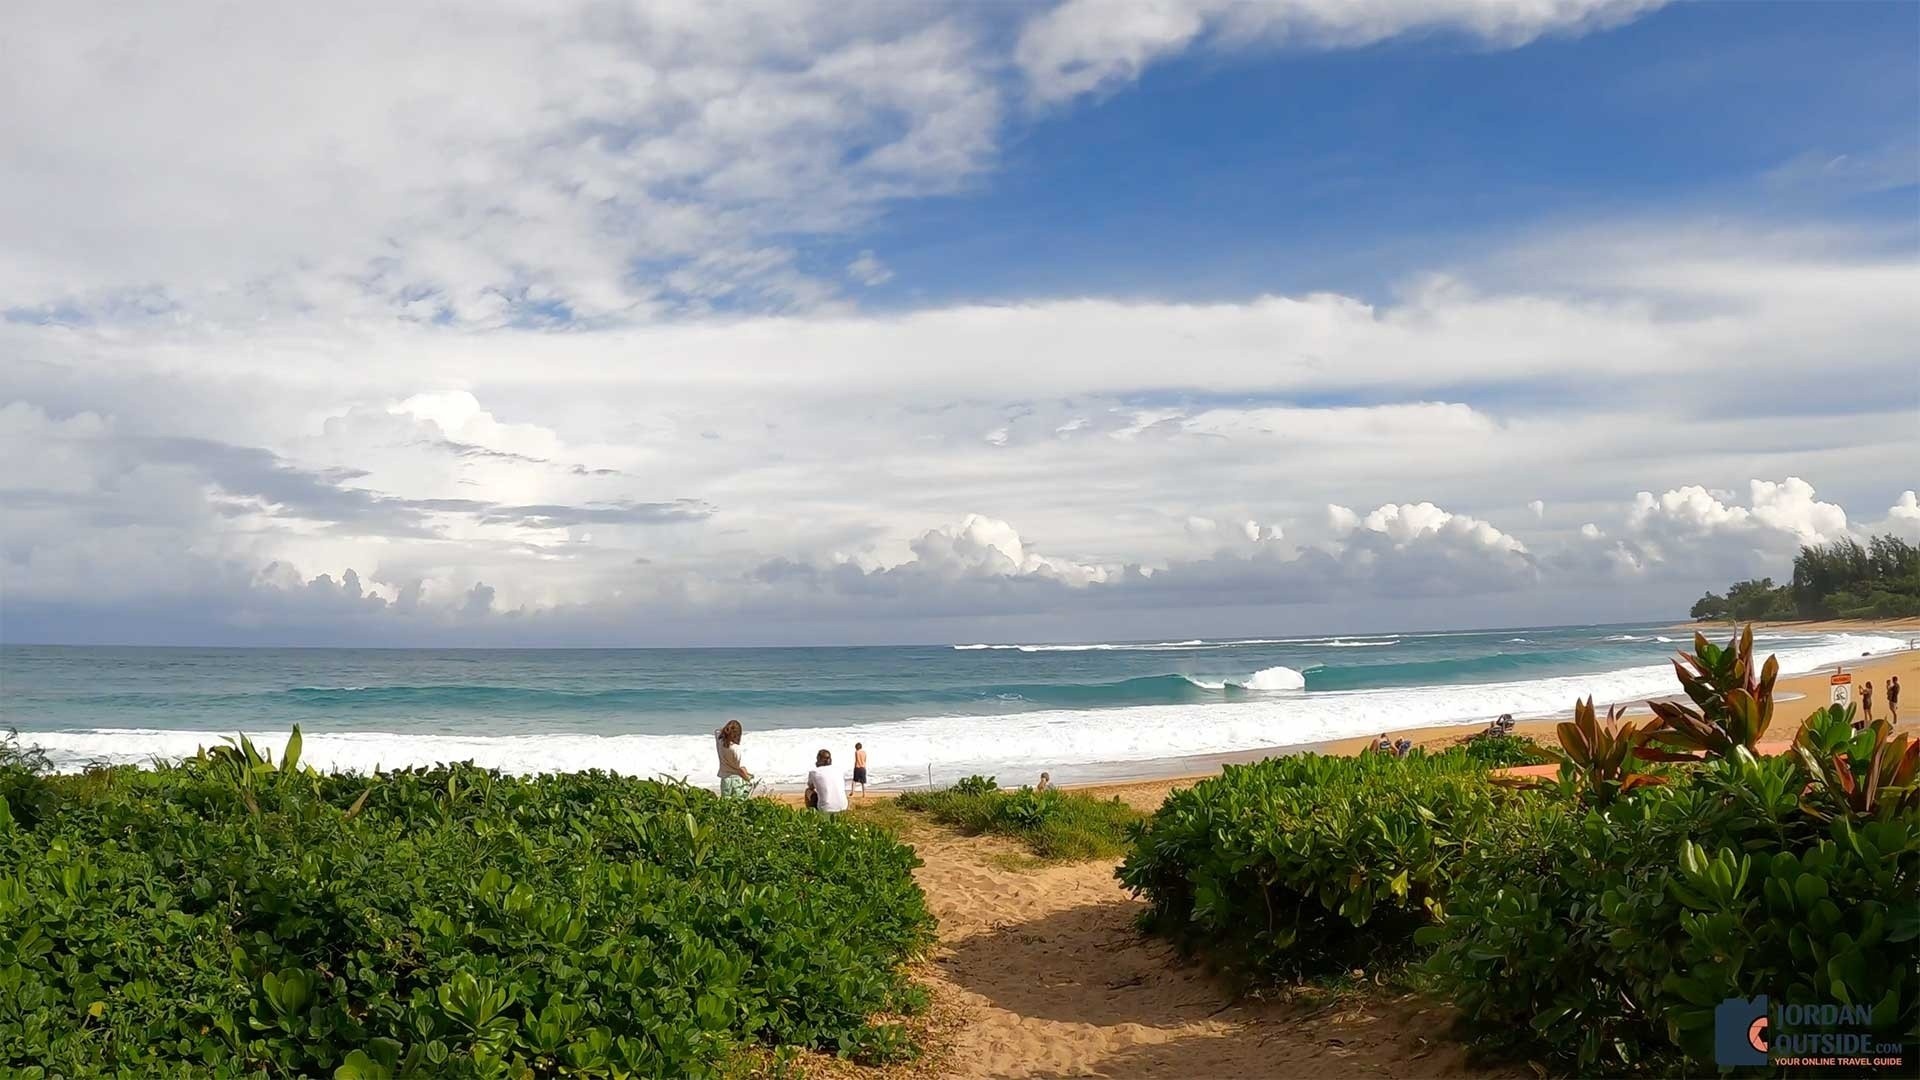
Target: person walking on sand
{"x":825,"y":792}
{"x":735,"y":780}
{"x":1893,"y":700}
{"x":1866,"y":702}
{"x":860,"y":766}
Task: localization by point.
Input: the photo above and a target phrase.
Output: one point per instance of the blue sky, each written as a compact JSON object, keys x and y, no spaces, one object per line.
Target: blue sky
{"x":925,"y":318}
{"x":1226,"y":175}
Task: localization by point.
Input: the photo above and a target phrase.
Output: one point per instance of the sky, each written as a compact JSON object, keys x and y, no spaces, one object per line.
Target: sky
{"x":602,"y":324}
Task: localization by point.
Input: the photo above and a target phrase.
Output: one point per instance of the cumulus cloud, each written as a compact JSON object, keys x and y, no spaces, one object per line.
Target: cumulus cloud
{"x":1084,"y":46}
{"x":1784,"y":512}
{"x":1903,"y":517}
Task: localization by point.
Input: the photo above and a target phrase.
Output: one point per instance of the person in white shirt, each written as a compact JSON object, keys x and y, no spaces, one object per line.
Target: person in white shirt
{"x":825,"y":792}
{"x":735,"y":780}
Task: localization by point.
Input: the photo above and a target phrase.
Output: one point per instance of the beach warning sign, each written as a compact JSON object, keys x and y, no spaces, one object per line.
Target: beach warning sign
{"x":1840,"y":690}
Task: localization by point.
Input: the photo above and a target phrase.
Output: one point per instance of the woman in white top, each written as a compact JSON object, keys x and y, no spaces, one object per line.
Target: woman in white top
{"x":825,"y":792}
{"x":734,"y":777}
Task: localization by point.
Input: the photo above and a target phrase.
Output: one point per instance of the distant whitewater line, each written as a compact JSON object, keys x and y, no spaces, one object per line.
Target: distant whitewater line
{"x":1160,"y":646}
{"x":1267,"y":710}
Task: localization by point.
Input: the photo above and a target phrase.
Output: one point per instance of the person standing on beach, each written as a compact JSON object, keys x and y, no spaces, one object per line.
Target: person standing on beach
{"x":1893,"y":699}
{"x":734,"y":777}
{"x":825,"y":792}
{"x":860,"y":766}
{"x":1866,"y":703}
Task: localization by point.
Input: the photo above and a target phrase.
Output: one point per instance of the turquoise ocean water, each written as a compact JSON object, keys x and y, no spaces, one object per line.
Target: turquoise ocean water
{"x":1002,"y":707}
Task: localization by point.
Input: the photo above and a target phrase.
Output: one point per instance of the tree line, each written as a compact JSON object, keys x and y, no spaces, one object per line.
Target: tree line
{"x":1837,"y":580}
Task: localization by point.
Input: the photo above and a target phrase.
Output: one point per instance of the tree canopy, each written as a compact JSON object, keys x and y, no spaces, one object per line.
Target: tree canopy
{"x":1837,"y":580}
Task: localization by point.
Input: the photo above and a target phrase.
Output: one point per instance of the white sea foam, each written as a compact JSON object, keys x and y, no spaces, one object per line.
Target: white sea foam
{"x":1014,"y":746}
{"x":1196,"y":643}
{"x":1273,"y":678}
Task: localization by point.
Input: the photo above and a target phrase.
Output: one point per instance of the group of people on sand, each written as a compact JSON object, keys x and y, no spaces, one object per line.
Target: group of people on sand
{"x":1400,"y":747}
{"x":826,"y":792}
{"x":1893,"y":701}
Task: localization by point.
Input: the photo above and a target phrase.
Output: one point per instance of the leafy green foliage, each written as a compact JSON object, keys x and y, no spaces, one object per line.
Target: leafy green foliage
{"x":1055,"y":825}
{"x":1309,"y":862}
{"x":976,"y":785}
{"x":1597,"y":765}
{"x":1734,"y":704}
{"x":1499,"y":750}
{"x":1591,"y":926}
{"x":25,"y":793}
{"x":231,"y":916}
{"x":1857,"y":774}
{"x":1601,"y":938}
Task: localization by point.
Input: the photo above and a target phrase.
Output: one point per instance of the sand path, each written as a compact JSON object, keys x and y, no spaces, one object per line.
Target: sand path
{"x":1041,"y":973}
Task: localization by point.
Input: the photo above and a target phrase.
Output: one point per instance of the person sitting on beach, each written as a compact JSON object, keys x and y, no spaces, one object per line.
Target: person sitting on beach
{"x":825,"y":792}
{"x":1045,"y":784}
{"x":1383,"y":745}
{"x":1402,"y":747}
{"x":1503,"y":725}
{"x":860,"y":766}
{"x":735,"y":780}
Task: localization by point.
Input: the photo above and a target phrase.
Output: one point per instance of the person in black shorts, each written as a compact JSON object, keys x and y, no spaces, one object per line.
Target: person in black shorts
{"x":1893,"y":700}
{"x":860,"y":767}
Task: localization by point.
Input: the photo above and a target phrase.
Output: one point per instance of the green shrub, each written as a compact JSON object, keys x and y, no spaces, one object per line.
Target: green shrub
{"x":976,"y":785}
{"x":1055,"y":825}
{"x":1499,"y":750}
{"x":1601,"y":939}
{"x":229,"y":917}
{"x":1300,"y":862}
{"x":25,"y":791}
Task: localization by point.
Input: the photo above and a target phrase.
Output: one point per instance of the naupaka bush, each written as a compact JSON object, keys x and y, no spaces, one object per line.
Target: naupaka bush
{"x":228,"y":916}
{"x":1303,"y":861}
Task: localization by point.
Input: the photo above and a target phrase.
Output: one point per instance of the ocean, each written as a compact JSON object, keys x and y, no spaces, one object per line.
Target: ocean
{"x":1081,"y":711}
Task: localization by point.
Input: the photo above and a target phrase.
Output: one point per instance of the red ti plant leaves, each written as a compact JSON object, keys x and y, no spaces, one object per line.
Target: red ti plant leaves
{"x":1597,"y":761}
{"x":1732,"y":707}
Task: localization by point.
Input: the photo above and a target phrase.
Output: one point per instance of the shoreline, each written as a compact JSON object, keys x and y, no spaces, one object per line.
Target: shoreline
{"x":1796,"y":695}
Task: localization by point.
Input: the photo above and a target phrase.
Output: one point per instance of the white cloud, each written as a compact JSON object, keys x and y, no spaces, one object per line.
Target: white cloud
{"x":483,"y":162}
{"x":982,"y":546}
{"x":1539,"y":509}
{"x":867,"y":269}
{"x":1903,"y":518}
{"x":1787,"y":508}
{"x":1084,"y":46}
{"x":649,"y":469}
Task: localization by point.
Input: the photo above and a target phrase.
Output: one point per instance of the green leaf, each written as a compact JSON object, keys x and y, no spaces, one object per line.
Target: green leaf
{"x":290,"y":757}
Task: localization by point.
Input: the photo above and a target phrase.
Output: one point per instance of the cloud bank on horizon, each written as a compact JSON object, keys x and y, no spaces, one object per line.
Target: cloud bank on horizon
{"x":716,"y":323}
